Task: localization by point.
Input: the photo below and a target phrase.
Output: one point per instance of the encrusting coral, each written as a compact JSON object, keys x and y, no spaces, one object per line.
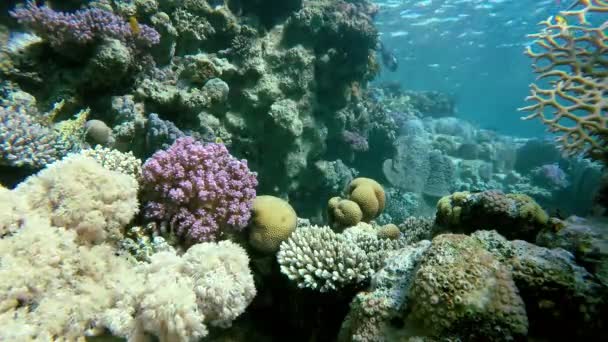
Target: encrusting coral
{"x":516,"y":216}
{"x":573,"y":58}
{"x":461,"y":289}
{"x":272,"y":222}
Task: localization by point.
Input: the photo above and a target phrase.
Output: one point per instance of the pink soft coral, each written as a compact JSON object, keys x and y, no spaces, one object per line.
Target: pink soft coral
{"x":200,"y":189}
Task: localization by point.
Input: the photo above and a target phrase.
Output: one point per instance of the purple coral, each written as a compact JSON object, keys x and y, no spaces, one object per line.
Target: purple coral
{"x":82,"y":27}
{"x":200,"y":189}
{"x":355,"y":140}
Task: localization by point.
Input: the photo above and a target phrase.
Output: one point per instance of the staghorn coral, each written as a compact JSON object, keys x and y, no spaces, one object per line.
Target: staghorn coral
{"x":272,"y":221}
{"x":78,"y":193}
{"x":573,"y":59}
{"x":201,"y":190}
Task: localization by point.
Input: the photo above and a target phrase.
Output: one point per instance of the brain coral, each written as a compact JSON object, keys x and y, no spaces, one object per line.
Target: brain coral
{"x":200,"y":189}
{"x":78,"y":193}
{"x":369,"y":195}
{"x":272,"y":221}
{"x":461,"y":289}
{"x":344,"y":213}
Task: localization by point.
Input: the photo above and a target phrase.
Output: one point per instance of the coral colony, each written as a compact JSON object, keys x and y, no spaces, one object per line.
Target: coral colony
{"x":182,"y":171}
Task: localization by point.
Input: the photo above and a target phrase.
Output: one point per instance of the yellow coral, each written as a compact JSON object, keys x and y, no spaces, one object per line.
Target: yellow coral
{"x":449,"y":208}
{"x":273,"y":221}
{"x":568,"y":58}
{"x":369,"y":195}
{"x":389,"y":231}
{"x":343,"y":212}
{"x":73,"y":129}
{"x":529,"y":209}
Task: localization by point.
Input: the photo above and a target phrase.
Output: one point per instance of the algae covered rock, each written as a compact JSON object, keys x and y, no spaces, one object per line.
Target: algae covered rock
{"x":516,"y":216}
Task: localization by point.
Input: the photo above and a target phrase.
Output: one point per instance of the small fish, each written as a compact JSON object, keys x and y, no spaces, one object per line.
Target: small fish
{"x":134,"y":25}
{"x":219,"y":140}
{"x":388,"y":58}
{"x":560,"y":20}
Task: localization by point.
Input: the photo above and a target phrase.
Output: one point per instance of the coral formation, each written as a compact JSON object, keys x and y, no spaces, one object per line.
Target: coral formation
{"x":369,"y":196}
{"x":571,"y":57}
{"x":319,"y":259}
{"x":78,"y":193}
{"x":25,"y":142}
{"x":113,"y":160}
{"x":460,"y":289}
{"x":201,"y":190}
{"x":343,"y":212}
{"x":81,"y":27}
{"x":372,"y":311}
{"x":516,"y":216}
{"x":272,"y":222}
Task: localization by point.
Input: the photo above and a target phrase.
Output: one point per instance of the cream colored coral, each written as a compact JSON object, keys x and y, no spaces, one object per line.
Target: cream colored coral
{"x":210,"y":284}
{"x":317,"y":258}
{"x":78,"y":193}
{"x":114,"y":160}
{"x":50,"y":287}
{"x":13,"y":211}
{"x":223,"y":283}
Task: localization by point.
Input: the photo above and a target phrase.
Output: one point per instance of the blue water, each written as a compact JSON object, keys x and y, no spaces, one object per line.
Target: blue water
{"x":470,"y":49}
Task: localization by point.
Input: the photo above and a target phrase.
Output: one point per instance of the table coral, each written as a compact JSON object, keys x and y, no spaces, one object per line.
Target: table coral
{"x":573,"y":60}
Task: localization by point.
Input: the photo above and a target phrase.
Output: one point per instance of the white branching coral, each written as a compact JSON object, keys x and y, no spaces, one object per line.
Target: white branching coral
{"x":317,"y":258}
{"x":114,"y":160}
{"x":377,"y":249}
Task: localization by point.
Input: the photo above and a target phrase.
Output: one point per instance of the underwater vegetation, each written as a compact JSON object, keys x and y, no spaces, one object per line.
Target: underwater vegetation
{"x":198,"y":170}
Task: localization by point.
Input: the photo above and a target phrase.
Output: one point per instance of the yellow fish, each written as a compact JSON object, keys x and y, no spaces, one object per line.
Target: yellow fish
{"x":134,"y":24}
{"x":219,"y":140}
{"x":561,"y":21}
